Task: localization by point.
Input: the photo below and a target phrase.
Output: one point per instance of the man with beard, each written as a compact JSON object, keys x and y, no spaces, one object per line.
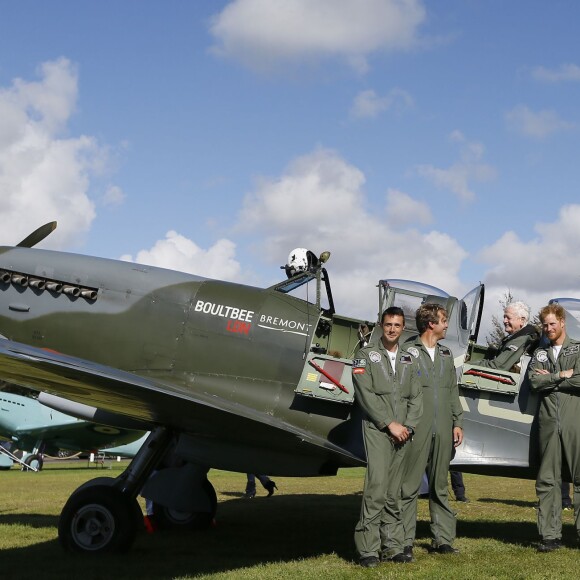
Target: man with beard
{"x":554,"y":373}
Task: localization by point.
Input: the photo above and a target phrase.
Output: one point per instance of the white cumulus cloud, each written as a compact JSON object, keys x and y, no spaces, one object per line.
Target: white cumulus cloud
{"x":319,"y":203}
{"x":541,"y":264}
{"x":264,"y":33}
{"x":565,"y":72}
{"x":458,"y":177}
{"x":537,"y":124}
{"x":177,"y":252}
{"x":402,"y":210}
{"x":45,"y":175}
{"x":368,"y":104}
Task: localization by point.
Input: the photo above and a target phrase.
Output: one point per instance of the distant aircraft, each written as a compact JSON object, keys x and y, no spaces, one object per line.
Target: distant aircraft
{"x":38,"y":430}
{"x":224,"y":375}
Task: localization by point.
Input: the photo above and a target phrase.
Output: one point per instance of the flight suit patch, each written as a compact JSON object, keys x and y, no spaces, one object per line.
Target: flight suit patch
{"x":406,"y":359}
{"x":375,"y":356}
{"x":359,"y":362}
{"x":413,"y":352}
{"x":541,"y":356}
{"x":444,"y":351}
{"x":571,"y":349}
{"x":512,"y":347}
{"x":358,"y":371}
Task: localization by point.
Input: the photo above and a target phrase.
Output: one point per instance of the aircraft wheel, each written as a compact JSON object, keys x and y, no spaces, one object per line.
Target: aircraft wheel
{"x":34,"y":461}
{"x":97,"y":519}
{"x":169,"y":518}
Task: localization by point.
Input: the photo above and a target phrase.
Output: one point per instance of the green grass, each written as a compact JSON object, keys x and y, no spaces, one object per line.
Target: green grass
{"x":305,"y":530}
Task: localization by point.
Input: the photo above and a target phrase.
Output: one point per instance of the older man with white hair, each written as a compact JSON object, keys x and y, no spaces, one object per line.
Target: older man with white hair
{"x":520,"y":336}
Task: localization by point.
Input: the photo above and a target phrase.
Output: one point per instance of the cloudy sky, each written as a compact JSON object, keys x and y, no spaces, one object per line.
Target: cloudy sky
{"x":429,"y":140}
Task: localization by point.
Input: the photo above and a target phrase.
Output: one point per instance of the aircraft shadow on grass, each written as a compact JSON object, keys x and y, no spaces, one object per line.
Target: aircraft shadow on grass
{"x":282,"y":528}
{"x":30,"y":520}
{"x":512,"y":502}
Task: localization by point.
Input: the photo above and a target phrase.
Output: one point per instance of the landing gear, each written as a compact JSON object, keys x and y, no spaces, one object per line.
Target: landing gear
{"x":103,"y":515}
{"x":98,"y":518}
{"x":33,"y":463}
{"x":170,"y":518}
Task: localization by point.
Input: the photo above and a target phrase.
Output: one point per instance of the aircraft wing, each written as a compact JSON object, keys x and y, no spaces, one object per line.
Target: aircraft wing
{"x":186,"y":404}
{"x":75,"y":436}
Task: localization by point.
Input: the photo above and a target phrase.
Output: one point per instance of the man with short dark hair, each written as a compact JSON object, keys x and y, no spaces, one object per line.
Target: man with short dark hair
{"x":439,"y":431}
{"x":388,"y":391}
{"x":554,"y":373}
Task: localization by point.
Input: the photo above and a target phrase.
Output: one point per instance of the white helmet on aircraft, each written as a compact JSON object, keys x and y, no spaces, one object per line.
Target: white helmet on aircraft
{"x":298,"y":260}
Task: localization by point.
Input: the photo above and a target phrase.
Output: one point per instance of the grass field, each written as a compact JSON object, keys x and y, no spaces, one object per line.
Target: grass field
{"x":305,"y":530}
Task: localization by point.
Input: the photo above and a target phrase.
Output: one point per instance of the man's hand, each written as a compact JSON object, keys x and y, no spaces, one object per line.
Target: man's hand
{"x":542,"y":372}
{"x":566,"y":374}
{"x":398,"y":432}
{"x":457,"y":436}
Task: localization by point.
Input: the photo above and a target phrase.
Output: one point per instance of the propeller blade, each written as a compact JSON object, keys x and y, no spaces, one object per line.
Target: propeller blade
{"x":37,"y":235}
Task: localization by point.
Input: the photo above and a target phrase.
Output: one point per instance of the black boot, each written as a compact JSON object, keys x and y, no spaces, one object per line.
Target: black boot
{"x":270,"y":486}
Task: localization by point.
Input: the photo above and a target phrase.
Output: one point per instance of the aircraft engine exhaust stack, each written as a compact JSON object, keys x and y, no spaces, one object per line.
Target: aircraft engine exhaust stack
{"x":37,"y":283}
{"x":55,"y":287}
{"x":20,"y":280}
{"x":72,"y":290}
{"x":89,"y":293}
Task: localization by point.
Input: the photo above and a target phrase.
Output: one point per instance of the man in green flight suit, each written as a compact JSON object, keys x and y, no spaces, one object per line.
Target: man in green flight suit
{"x":387,"y":389}
{"x":439,"y":431}
{"x":519,"y":336}
{"x":554,"y":373}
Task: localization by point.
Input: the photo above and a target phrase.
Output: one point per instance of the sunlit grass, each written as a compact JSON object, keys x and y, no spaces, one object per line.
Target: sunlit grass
{"x":305,"y":530}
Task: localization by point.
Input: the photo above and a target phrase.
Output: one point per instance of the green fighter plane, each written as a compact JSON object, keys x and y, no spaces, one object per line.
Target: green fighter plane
{"x":223,"y":375}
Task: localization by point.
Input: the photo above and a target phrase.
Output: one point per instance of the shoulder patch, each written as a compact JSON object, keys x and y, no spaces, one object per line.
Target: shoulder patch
{"x":541,"y":356}
{"x":572,"y":349}
{"x":375,"y":356}
{"x":359,"y":362}
{"x":444,"y":351}
{"x":413,"y":351}
{"x":405,"y":359}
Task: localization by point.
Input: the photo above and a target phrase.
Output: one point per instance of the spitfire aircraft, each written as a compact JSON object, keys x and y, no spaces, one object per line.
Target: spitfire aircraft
{"x":223,"y":375}
{"x":37,"y":430}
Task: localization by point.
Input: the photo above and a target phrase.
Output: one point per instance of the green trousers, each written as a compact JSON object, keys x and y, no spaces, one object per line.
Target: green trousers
{"x":553,"y":445}
{"x":379,"y":528}
{"x":432,"y":453}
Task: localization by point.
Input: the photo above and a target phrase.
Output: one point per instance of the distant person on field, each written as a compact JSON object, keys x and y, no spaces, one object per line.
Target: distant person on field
{"x":266,"y":482}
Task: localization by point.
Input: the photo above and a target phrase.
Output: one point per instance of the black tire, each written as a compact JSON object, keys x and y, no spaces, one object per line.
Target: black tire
{"x":97,"y":519}
{"x":35,"y":461}
{"x":167,"y":518}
